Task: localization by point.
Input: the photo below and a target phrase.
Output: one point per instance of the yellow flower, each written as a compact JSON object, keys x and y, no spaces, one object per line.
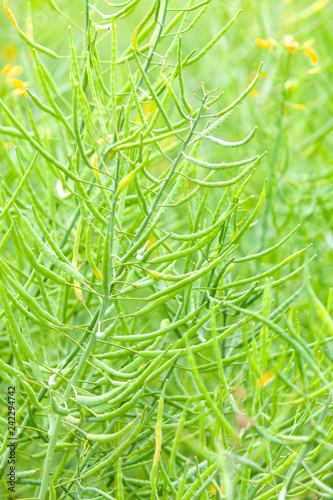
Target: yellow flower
{"x":9,"y":52}
{"x":300,"y":106}
{"x":20,"y":87}
{"x":308,"y":51}
{"x":11,"y":71}
{"x":255,"y":93}
{"x":290,"y":43}
{"x":266,"y":378}
{"x":148,"y":108}
{"x":266,"y":44}
{"x":150,"y":243}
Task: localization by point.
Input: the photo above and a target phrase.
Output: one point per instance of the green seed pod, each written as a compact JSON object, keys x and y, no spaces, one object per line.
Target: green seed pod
{"x":52,"y":257}
{"x":32,"y":395}
{"x":114,"y":455}
{"x":57,"y":408}
{"x":10,"y":318}
{"x":107,"y":438}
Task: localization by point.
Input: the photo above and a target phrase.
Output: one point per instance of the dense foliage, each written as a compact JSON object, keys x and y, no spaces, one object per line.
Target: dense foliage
{"x":158,"y":318}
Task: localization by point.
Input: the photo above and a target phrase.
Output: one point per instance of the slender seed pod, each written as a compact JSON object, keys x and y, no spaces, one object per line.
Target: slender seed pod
{"x":122,"y":410}
{"x":6,"y":237}
{"x":18,"y":189}
{"x":26,"y":38}
{"x":32,"y":395}
{"x":14,"y":326}
{"x":94,"y":94}
{"x":231,"y":144}
{"x":144,"y":21}
{"x":158,"y":442}
{"x":97,"y":400}
{"x":113,"y":456}
{"x":26,"y":473}
{"x":214,"y":40}
{"x":119,"y":480}
{"x":113,"y":73}
{"x":181,"y":78}
{"x":172,"y":93}
{"x":39,"y":311}
{"x":77,"y":132}
{"x":220,"y":166}
{"x":41,"y":105}
{"x":129,"y":177}
{"x":152,"y":92}
{"x":35,"y":264}
{"x":49,"y":238}
{"x":34,"y":143}
{"x":93,"y":266}
{"x":45,"y":82}
{"x":106,"y":438}
{"x":12,"y":423}
{"x":135,"y":208}
{"x":52,"y":257}
{"x":16,"y":350}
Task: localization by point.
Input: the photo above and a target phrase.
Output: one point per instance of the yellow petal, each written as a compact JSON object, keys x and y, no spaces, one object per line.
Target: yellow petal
{"x":16,"y":70}
{"x":9,"y":52}
{"x":19,"y":87}
{"x":290,"y":43}
{"x":300,"y":106}
{"x":151,"y":242}
{"x":148,"y":107}
{"x":266,"y":378}
{"x":18,"y":84}
{"x":8,"y":145}
{"x":6,"y":69}
{"x":20,"y":92}
{"x":255,"y":93}
{"x":311,"y":53}
{"x":264,"y":44}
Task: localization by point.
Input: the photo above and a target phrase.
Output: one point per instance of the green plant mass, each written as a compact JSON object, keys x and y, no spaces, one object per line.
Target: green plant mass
{"x":165,"y":250}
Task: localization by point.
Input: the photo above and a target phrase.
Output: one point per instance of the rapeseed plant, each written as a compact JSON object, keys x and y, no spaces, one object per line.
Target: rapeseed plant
{"x":152,"y":356}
